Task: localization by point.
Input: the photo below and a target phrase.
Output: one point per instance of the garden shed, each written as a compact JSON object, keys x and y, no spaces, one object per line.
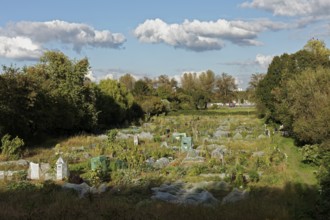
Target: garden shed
{"x":186,"y":143}
{"x":100,"y":162}
{"x":61,"y":169}
{"x":178,"y":136}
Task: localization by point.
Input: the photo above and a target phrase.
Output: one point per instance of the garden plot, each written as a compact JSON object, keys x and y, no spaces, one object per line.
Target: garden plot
{"x":191,"y":149}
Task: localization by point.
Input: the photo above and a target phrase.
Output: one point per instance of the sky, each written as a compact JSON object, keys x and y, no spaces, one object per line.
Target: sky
{"x":158,"y":37}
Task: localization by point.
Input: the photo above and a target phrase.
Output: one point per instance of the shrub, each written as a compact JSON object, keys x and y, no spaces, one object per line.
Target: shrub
{"x":21,"y":186}
{"x":98,"y":176}
{"x":311,"y":154}
{"x":12,"y":149}
{"x":112,"y":135}
{"x":254,"y":176}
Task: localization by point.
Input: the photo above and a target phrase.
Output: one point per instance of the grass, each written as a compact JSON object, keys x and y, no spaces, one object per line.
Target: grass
{"x":287,"y":189}
{"x":53,"y":203}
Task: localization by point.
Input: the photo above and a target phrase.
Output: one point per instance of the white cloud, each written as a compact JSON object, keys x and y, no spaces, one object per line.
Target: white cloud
{"x":291,"y":7}
{"x":90,"y":75}
{"x":201,"y":35}
{"x":20,"y":48}
{"x":157,"y":31}
{"x":38,"y":34}
{"x":263,"y":60}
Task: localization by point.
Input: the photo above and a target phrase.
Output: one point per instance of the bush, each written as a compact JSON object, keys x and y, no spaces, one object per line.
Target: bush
{"x":311,"y":154}
{"x":112,"y":135}
{"x":21,"y":186}
{"x":254,"y":176}
{"x":12,"y":149}
{"x":98,"y":176}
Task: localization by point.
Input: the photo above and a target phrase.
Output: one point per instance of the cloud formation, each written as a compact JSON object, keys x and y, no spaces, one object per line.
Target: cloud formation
{"x":291,"y":7}
{"x":205,"y":35}
{"x":20,"y":48}
{"x":23,"y":38}
{"x":263,"y":60}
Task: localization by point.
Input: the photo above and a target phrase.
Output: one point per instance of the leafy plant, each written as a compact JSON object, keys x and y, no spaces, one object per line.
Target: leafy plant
{"x":12,"y":149}
{"x":112,"y":135}
{"x":253,"y":175}
{"x":21,"y":186}
{"x":311,"y":154}
{"x":98,"y":176}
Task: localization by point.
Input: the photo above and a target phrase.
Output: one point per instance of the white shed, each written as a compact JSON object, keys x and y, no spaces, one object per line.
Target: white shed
{"x":61,"y":169}
{"x":136,"y":140}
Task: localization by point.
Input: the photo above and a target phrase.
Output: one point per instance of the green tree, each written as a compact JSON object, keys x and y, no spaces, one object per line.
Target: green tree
{"x":22,"y":103}
{"x":128,"y":80}
{"x":189,"y":82}
{"x":114,"y":102}
{"x":225,"y":87}
{"x":153,"y":105}
{"x":309,"y":100}
{"x":207,"y":81}
{"x":271,"y":93}
{"x":141,"y":88}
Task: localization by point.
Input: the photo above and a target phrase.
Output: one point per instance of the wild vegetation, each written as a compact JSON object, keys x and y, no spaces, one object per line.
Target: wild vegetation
{"x":280,"y":186}
{"x":51,"y":109}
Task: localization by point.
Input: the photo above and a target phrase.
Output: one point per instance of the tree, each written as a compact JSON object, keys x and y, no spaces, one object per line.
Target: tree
{"x":20,"y":106}
{"x":254,"y":80}
{"x":317,"y":47}
{"x":309,"y":99}
{"x":271,"y":92}
{"x":189,"y":82}
{"x":128,"y":80}
{"x":225,"y":87}
{"x":141,"y":88}
{"x":114,"y":102}
{"x":165,"y":87}
{"x":153,"y":105}
{"x":207,"y":81}
{"x":73,"y":99}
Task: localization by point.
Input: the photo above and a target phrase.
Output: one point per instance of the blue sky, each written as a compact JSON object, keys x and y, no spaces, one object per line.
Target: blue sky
{"x":150,"y":38}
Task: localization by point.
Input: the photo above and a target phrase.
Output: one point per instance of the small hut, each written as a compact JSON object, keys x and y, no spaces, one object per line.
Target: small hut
{"x":62,"y":171}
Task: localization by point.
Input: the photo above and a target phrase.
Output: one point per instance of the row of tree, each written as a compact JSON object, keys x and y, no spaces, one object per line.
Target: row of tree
{"x":296,"y":93}
{"x":194,"y":92}
{"x":55,"y":97}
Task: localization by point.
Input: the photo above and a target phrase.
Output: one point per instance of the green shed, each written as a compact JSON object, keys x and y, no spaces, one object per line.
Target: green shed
{"x":100,"y":161}
{"x":186,"y":143}
{"x":178,"y":136}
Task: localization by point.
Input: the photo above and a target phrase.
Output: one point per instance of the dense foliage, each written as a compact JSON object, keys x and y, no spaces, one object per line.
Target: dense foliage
{"x":54,"y":97}
{"x":296,"y":93}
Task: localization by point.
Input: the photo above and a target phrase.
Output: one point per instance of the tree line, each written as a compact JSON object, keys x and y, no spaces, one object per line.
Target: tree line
{"x":54,"y":97}
{"x":295,"y":92}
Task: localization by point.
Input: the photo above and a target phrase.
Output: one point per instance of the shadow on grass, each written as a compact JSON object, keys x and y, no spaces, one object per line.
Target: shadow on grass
{"x":293,"y":201}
